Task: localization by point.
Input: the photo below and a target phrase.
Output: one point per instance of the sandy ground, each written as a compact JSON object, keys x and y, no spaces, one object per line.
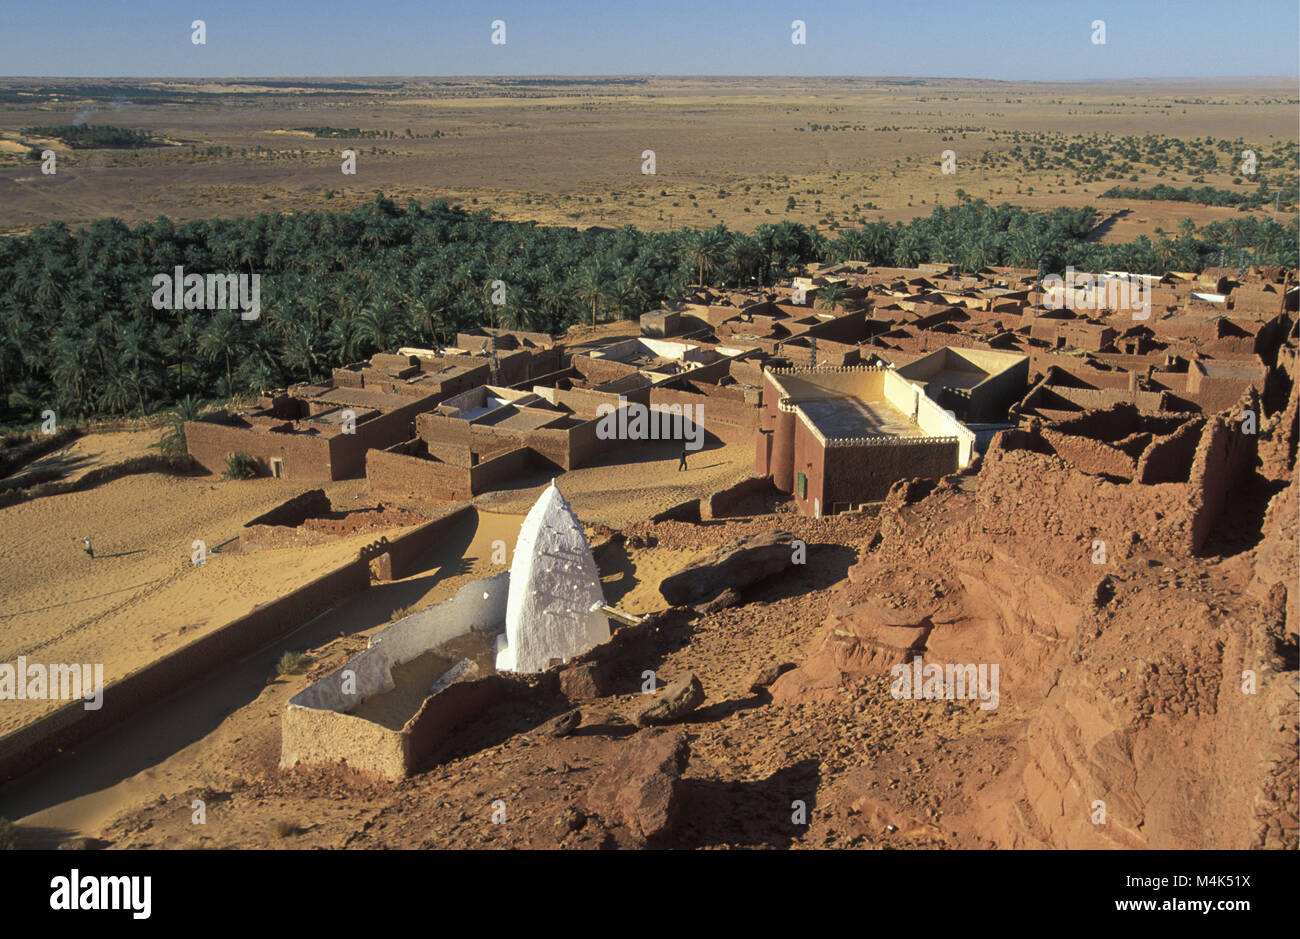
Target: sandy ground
{"x":140,"y":597}
{"x":175,"y":748}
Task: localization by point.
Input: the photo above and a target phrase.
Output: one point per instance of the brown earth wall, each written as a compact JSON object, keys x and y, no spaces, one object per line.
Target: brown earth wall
{"x":864,"y":473}
{"x":306,"y":456}
{"x":402,"y":477}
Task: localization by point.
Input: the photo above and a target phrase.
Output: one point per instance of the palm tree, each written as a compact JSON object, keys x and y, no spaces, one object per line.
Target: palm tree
{"x":706,"y":249}
{"x":117,"y":393}
{"x":554,"y":298}
{"x":300,"y":350}
{"x":378,"y":325}
{"x":831,"y":296}
{"x":220,"y":339}
{"x":591,"y":287}
{"x":173,"y":440}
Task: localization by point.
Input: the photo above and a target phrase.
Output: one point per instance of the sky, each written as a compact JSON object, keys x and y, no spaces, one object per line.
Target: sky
{"x":1029,"y":40}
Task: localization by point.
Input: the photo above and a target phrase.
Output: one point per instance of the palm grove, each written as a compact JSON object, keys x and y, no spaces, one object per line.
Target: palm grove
{"x":80,"y":334}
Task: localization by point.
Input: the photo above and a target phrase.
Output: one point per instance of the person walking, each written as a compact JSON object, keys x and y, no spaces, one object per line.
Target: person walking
{"x":87,"y":547}
{"x":681,"y":463}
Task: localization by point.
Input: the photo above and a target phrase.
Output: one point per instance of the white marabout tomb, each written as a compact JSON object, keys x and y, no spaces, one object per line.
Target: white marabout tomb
{"x":554,"y":608}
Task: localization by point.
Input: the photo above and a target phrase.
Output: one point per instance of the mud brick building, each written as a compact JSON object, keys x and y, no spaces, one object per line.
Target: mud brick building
{"x":836,"y":438}
{"x":322,"y":432}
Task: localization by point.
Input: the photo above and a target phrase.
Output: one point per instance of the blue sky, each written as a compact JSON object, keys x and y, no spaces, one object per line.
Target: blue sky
{"x":1038,"y":40}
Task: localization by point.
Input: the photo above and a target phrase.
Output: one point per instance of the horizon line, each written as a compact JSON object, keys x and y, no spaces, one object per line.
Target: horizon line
{"x":649,"y":75}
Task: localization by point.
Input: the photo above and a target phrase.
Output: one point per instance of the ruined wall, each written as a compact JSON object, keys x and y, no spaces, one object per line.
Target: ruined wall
{"x":309,"y":736}
{"x":1091,"y":456}
{"x":1213,"y":395}
{"x":1109,"y":397}
{"x":455,"y":705}
{"x":1168,"y":459}
{"x":1223,"y":459}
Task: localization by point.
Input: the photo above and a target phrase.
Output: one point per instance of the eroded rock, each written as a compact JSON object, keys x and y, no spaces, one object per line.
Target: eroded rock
{"x":640,"y":789}
{"x":682,"y":695}
{"x":735,"y":564}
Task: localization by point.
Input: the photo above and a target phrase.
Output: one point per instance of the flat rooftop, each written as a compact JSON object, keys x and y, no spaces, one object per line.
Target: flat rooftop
{"x":853,"y":417}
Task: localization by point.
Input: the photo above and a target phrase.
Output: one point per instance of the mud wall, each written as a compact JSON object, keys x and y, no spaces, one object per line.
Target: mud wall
{"x":397,"y":476}
{"x":500,"y":471}
{"x":1168,"y":459}
{"x":310,"y":736}
{"x":454,"y":705}
{"x":1090,"y":456}
{"x":348,"y":451}
{"x":404,"y":551}
{"x":599,"y":371}
{"x":305,"y":456}
{"x":864,"y":472}
{"x":725,"y":405}
{"x":1223,"y":458}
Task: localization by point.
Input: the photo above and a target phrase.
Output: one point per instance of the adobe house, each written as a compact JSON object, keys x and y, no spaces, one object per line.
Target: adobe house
{"x":322,"y":432}
{"x":836,"y":438}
